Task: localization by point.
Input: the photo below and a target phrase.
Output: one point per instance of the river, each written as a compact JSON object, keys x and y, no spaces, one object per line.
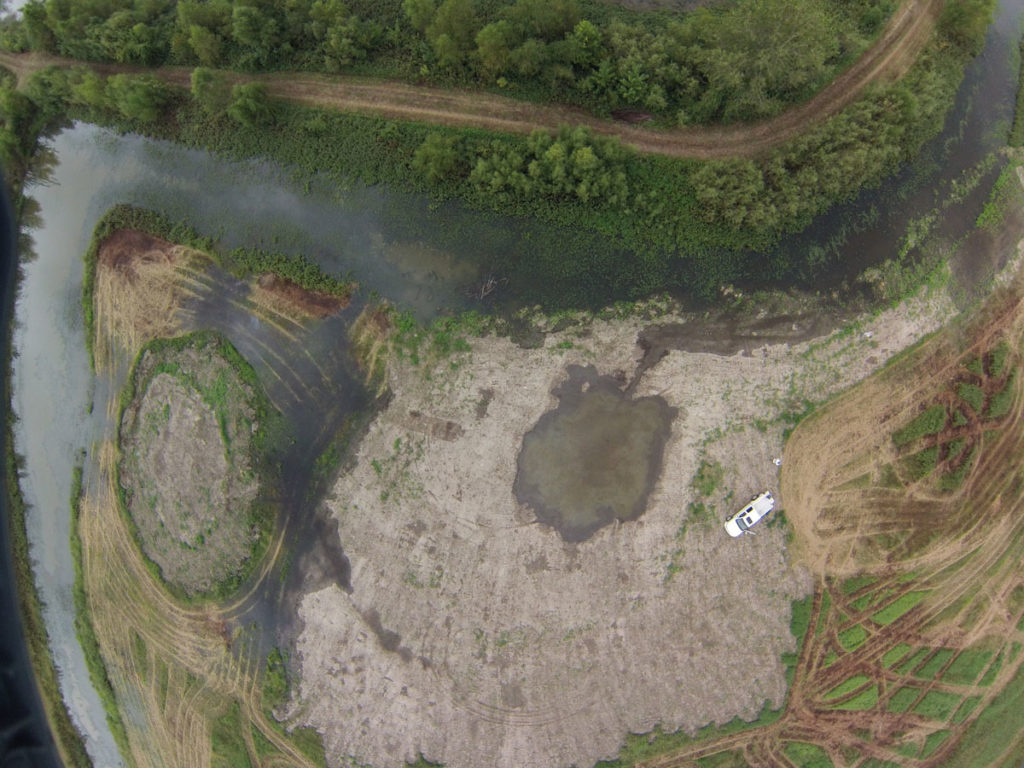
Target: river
{"x":394,"y":244}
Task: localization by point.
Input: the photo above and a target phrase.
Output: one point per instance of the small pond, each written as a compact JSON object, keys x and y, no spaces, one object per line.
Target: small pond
{"x":595,"y":458}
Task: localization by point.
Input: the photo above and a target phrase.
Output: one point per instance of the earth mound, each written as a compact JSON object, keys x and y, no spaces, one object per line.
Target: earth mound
{"x":187,"y":439}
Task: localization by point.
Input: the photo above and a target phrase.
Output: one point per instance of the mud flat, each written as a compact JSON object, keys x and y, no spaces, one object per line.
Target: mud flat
{"x":474,"y":634}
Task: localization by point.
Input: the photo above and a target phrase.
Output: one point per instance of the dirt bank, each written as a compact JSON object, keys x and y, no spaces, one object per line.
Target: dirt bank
{"x":475,"y":635}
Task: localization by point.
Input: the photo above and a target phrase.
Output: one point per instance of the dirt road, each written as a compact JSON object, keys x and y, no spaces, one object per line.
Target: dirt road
{"x":890,"y":57}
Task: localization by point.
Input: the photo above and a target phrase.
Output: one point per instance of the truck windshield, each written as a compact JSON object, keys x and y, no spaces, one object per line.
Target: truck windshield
{"x":741,"y":523}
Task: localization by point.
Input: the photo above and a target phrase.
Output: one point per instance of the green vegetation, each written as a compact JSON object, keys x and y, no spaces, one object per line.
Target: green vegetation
{"x":938,"y":705}
{"x":894,"y":654}
{"x":709,"y":476}
{"x":934,"y":665}
{"x":971,"y":394}
{"x":851,"y":585}
{"x":847,"y":686}
{"x":864,"y":700}
{"x":228,"y":742}
{"x":997,"y":359}
{"x":806,"y":755}
{"x":995,"y":733}
{"x":275,"y":680}
{"x":965,"y":709}
{"x":853,"y":637}
{"x":932,"y":742}
{"x":992,"y":671}
{"x":920,"y":464}
{"x":966,"y":667}
{"x":898,"y":607}
{"x":1002,"y":401}
{"x":1016,"y":138}
{"x":87,"y":634}
{"x":903,"y":698}
{"x":927,"y":423}
{"x":640,"y":747}
{"x":747,"y":61}
{"x":694,"y":223}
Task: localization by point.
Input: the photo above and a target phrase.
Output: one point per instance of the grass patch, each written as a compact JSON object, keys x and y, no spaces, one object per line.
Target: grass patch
{"x":932,"y":742}
{"x":971,"y":394}
{"x":965,"y":709}
{"x":894,"y":654}
{"x":86,"y":634}
{"x":950,"y":481}
{"x":919,"y":465}
{"x":910,"y":664}
{"x":932,"y":667}
{"x":966,"y":667}
{"x":826,"y":604}
{"x":851,"y":585}
{"x":898,"y":607}
{"x":903,"y":698}
{"x":708,"y":478}
{"x":997,"y":732}
{"x":938,"y":705}
{"x":889,"y":478}
{"x":228,"y":742}
{"x":731,"y":759}
{"x":644,"y":746}
{"x":996,"y":362}
{"x":992,"y":671}
{"x":847,"y":686}
{"x":866,"y":699}
{"x":1016,"y":138}
{"x":853,"y":638}
{"x":806,"y":755}
{"x":928,"y":422}
{"x":1002,"y":401}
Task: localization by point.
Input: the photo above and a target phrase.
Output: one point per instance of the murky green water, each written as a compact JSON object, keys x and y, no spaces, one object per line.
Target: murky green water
{"x":595,"y":458}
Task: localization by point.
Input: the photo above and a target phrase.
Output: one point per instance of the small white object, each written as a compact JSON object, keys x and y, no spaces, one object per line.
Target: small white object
{"x":777,"y":462}
{"x":741,"y":522}
{"x":868,"y":334}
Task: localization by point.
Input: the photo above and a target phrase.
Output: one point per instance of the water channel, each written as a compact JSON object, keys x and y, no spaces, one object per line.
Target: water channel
{"x":394,"y":244}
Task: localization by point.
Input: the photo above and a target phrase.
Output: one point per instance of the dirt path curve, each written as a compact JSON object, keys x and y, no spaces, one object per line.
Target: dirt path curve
{"x":890,"y":57}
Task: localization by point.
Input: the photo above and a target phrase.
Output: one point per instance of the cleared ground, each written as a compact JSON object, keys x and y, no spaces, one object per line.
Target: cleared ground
{"x":906,"y":494}
{"x":889,"y":58}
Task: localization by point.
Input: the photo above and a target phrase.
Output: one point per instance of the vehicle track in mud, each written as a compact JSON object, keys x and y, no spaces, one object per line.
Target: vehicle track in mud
{"x":966,"y":572}
{"x":903,"y":39}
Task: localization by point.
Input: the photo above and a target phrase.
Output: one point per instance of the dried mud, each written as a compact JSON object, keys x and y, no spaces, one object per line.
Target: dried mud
{"x":497,"y":642}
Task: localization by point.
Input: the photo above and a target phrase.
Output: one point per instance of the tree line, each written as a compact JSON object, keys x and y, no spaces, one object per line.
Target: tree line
{"x":739,"y":61}
{"x":703,"y":215}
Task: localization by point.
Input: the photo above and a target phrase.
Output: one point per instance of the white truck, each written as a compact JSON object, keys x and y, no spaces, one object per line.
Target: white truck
{"x":744,"y":520}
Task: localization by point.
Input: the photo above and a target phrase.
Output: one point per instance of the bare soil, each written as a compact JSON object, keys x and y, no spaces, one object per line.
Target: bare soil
{"x":186,"y":468}
{"x":474,"y":634}
{"x":899,"y":45}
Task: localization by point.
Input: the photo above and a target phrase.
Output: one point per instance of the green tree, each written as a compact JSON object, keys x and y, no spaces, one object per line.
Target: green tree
{"x":419,"y":13}
{"x":210,"y":90}
{"x":438,"y":158}
{"x":89,"y":89}
{"x":137,"y":97}
{"x":767,"y":49}
{"x":452,"y":31}
{"x":257,"y":33}
{"x":250,"y":104}
{"x":205,"y":43}
{"x":493,"y":48}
